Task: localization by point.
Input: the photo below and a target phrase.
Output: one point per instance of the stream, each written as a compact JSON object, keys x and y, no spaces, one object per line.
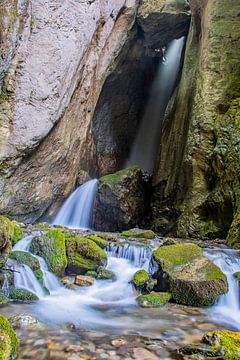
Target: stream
{"x":108,"y":307}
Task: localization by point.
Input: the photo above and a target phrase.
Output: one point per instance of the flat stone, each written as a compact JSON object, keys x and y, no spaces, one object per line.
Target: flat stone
{"x":82,"y":280}
{"x":118,"y":342}
{"x":143,"y":354}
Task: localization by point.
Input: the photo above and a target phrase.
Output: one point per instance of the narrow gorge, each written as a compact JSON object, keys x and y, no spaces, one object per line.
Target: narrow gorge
{"x":119,"y":179}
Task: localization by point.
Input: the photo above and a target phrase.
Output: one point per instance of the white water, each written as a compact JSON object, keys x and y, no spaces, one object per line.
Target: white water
{"x":76,"y":211}
{"x":227,"y":309}
{"x":145,"y":147}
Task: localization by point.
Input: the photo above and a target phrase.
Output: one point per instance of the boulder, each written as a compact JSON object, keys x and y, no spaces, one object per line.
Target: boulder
{"x":18,"y":233}
{"x":6,"y":237}
{"x":83,"y":255}
{"x":120,"y":200}
{"x":104,"y":274}
{"x":191,"y":278}
{"x":23,"y":257}
{"x":216,"y":344}
{"x":82,"y":280}
{"x":140,"y":278}
{"x":22,"y":295}
{"x":139,"y":233}
{"x":51,"y":246}
{"x":9,"y":342}
{"x":154,"y":299}
{"x":99,"y":241}
{"x":23,"y":320}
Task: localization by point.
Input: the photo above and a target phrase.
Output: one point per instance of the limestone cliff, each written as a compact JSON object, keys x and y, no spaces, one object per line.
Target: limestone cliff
{"x":197,"y":179}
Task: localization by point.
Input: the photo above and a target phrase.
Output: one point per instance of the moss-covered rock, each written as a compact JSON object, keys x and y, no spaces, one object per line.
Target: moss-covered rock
{"x":22,"y":295}
{"x":51,"y":246}
{"x":154,"y":299}
{"x":23,"y":257}
{"x":139,"y":233}
{"x":191,"y":278}
{"x":104,"y":274}
{"x":26,"y":321}
{"x":237,"y":275}
{"x":9,"y":343}
{"x":6,"y":237}
{"x":93,"y":274}
{"x":84,"y":255}
{"x":140,"y":278}
{"x":169,"y":241}
{"x":216,"y":344}
{"x":3,"y":299}
{"x":18,"y":234}
{"x":120,"y":200}
{"x":99,"y":241}
{"x":228,"y":340}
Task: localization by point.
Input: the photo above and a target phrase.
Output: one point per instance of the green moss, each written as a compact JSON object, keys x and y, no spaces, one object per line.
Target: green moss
{"x":140,"y":278}
{"x":237,"y":275}
{"x":79,"y":264}
{"x":178,"y":254}
{"x":154,"y":299}
{"x":51,"y":246}
{"x":22,"y":295}
{"x":3,"y":299}
{"x":92,"y":274}
{"x":227,"y":339}
{"x":6,"y":236}
{"x":151,"y":285}
{"x":213,"y":272}
{"x":138,"y":233}
{"x":169,"y":241}
{"x":11,"y":343}
{"x":99,"y":241}
{"x":113,"y":179}
{"x":18,"y":234}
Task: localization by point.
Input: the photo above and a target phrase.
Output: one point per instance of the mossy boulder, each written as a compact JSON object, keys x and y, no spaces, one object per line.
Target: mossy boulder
{"x":154,"y":299}
{"x":104,"y":274}
{"x":120,"y":200}
{"x":191,"y":278}
{"x":18,"y":234}
{"x":84,"y":255}
{"x":9,"y":343}
{"x":216,"y":344}
{"x":140,"y":278}
{"x":228,"y":340}
{"x":139,"y":233}
{"x":99,"y":241}
{"x":169,"y":241}
{"x":23,"y":257}
{"x":6,"y":237}
{"x":3,"y":299}
{"x":22,"y":295}
{"x":51,"y":246}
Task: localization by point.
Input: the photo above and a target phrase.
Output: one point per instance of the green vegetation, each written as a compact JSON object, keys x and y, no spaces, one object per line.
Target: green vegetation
{"x":139,"y":233}
{"x":3,"y":299}
{"x":154,"y":299}
{"x":51,"y":246}
{"x":99,"y":241}
{"x":140,"y":278}
{"x":6,"y":236}
{"x":18,"y":234}
{"x":229,"y":340}
{"x":9,"y":343}
{"x":113,"y":179}
{"x":22,"y":295}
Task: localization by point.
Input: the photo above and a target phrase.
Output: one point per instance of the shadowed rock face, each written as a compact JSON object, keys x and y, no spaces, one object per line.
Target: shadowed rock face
{"x":47,"y":109}
{"x":197,"y":176}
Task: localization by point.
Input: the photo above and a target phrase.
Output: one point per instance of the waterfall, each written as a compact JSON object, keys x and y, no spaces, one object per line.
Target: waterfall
{"x":76,"y":211}
{"x":146,"y":144}
{"x":138,"y":255}
{"x":228,"y":307}
{"x":24,"y":278}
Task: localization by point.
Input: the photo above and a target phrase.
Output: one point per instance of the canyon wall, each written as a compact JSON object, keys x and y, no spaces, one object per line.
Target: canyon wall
{"x":196,"y":182}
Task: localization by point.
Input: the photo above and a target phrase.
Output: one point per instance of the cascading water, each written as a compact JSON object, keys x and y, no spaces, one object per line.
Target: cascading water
{"x":76,"y":212}
{"x":228,"y":307}
{"x":146,"y":143}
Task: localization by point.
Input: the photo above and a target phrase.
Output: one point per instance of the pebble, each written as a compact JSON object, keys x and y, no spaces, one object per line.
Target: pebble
{"x":143,"y":354}
{"x":74,"y":348}
{"x":118,"y":342}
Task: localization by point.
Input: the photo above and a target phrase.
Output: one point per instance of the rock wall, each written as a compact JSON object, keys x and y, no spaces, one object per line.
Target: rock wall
{"x":65,"y":51}
{"x":197,"y":177}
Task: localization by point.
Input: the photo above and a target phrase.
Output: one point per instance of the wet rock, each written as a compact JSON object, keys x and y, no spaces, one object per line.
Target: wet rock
{"x":120,"y":200}
{"x":24,"y":320}
{"x":8,"y":339}
{"x":81,"y":280}
{"x":223,"y":342}
{"x":118,"y":342}
{"x":23,"y":257}
{"x":237,"y":275}
{"x":143,"y":354}
{"x":154,"y":299}
{"x":51,"y":246}
{"x":3,"y":299}
{"x":191,"y":278}
{"x":22,"y":295}
{"x":140,"y":278}
{"x":139,"y":233}
{"x":6,"y":237}
{"x":99,"y":241}
{"x":169,"y":241}
{"x":68,"y":280}
{"x":84,"y":255}
{"x":104,"y":274}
